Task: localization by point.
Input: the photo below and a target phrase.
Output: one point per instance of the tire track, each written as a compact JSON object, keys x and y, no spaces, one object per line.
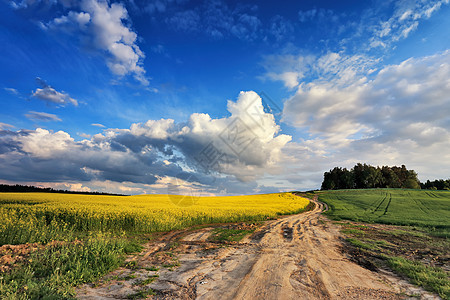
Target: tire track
{"x":296,"y":257}
{"x":384,"y":198}
{"x":389,"y":203}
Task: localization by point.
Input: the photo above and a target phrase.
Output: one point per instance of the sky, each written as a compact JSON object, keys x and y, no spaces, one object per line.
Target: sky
{"x":220,"y":97}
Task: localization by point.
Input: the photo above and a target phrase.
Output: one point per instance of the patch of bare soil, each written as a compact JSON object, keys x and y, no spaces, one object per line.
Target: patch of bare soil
{"x":410,"y":243}
{"x":295,"y":257}
{"x":389,"y":240}
{"x":12,"y":255}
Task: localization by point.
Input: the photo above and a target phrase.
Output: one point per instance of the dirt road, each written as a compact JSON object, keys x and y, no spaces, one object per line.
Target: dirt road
{"x":296,"y":257}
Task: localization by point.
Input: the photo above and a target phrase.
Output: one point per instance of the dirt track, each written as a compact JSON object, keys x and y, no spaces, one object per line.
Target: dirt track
{"x":296,"y":257}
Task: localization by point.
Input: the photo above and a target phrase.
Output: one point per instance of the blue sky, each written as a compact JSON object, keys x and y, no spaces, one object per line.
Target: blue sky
{"x":130,"y":96}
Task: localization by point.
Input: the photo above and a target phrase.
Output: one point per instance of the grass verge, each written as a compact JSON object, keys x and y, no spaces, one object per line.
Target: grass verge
{"x":52,"y":272}
{"x":431,"y":278}
{"x":408,"y":251}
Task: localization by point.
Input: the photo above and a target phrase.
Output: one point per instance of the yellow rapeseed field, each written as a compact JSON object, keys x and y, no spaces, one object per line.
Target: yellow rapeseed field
{"x":26,"y":217}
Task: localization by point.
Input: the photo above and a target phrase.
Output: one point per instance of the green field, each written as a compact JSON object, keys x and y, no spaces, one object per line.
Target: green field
{"x":391,"y":206}
{"x":78,"y":238}
{"x":417,"y":247}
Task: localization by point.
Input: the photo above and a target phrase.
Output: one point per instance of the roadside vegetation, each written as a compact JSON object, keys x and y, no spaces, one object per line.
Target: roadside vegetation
{"x":51,"y":242}
{"x":406,"y":231}
{"x":233,"y":232}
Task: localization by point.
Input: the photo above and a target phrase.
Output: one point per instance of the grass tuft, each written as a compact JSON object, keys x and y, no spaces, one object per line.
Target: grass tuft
{"x":431,"y":278}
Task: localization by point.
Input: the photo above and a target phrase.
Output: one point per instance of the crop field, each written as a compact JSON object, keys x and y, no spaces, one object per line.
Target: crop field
{"x":391,"y":206}
{"x":42,"y":217}
{"x":50,"y":242}
{"x":414,"y":244}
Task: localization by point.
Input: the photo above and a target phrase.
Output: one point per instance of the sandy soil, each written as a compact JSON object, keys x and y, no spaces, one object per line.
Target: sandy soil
{"x":295,"y":257}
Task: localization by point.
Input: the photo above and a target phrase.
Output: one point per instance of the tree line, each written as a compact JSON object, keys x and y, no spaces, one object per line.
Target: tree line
{"x":4,"y":188}
{"x":363,"y":176}
{"x":438,"y":184}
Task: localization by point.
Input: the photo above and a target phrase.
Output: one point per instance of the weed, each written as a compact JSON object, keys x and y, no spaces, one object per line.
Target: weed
{"x":142,"y":294}
{"x":129,"y":277}
{"x":133,"y":265}
{"x":229,"y":235}
{"x":52,"y":272}
{"x":431,"y":278}
{"x":360,"y":244}
{"x":356,"y":232}
{"x":148,"y":280}
{"x":102,"y":224}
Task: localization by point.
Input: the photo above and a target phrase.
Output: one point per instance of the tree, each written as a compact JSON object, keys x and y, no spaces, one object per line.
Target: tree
{"x":389,"y":178}
{"x":411,"y":184}
{"x":363,"y":176}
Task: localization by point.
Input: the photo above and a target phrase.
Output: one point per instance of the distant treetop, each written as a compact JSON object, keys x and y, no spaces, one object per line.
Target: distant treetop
{"x":363,"y":176}
{"x":4,"y":188}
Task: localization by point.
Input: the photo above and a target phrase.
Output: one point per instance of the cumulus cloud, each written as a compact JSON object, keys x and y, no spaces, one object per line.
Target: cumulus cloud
{"x":103,"y":26}
{"x":331,"y":106}
{"x":42,"y":116}
{"x":400,"y":115}
{"x":217,"y":154}
{"x":50,"y":95}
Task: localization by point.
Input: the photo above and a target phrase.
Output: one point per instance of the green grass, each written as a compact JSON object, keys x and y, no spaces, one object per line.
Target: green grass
{"x":432,"y":279}
{"x":425,"y":219}
{"x":229,"y":235}
{"x":356,"y":232}
{"x":124,"y":223}
{"x":142,"y":294}
{"x":148,"y":280}
{"x":51,"y":273}
{"x":427,"y":209}
{"x":360,"y":244}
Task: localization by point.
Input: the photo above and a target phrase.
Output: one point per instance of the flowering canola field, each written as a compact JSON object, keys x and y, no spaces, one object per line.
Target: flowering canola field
{"x":41,"y":217}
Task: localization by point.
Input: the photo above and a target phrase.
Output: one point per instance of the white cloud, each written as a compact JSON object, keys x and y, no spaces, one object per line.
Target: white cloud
{"x":248,"y":138}
{"x":4,"y":126}
{"x":50,"y":95}
{"x":12,"y":91}
{"x":404,"y":20}
{"x":103,"y":27}
{"x":239,"y":148}
{"x":45,"y":144}
{"x":401,"y":116}
{"x":84,"y":135}
{"x":332,"y":66}
{"x":290,"y":79}
{"x":42,"y":116}
{"x":98,"y":125}
{"x":80,"y":19}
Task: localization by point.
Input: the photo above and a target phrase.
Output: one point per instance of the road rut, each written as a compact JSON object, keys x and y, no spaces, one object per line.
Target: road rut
{"x":295,"y":257}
